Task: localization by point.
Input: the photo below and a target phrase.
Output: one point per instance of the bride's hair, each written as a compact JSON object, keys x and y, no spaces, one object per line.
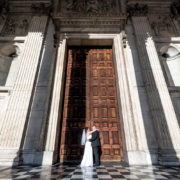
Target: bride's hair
{"x":86,"y":129}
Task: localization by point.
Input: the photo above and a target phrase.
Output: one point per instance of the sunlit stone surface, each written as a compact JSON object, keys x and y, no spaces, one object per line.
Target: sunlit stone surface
{"x":145,"y":40}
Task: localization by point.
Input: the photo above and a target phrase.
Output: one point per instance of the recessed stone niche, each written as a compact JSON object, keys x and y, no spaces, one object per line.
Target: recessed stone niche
{"x":9,"y":53}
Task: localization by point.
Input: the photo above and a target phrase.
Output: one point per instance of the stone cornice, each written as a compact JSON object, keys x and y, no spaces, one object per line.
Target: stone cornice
{"x":121,"y":16}
{"x":100,"y":22}
{"x":35,"y":6}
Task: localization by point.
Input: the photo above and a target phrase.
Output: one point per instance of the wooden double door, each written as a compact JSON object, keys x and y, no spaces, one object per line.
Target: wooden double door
{"x":90,"y":99}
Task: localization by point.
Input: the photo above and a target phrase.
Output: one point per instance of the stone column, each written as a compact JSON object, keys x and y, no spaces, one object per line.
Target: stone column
{"x":36,"y":127}
{"x":51,"y":146}
{"x":14,"y":122}
{"x":147,"y":146}
{"x":163,"y":113}
{"x":130,"y":142}
{"x":136,"y":150}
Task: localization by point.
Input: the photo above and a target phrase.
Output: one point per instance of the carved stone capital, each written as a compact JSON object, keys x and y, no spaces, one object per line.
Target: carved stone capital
{"x":124,"y":39}
{"x":137,"y":9}
{"x":56,"y":39}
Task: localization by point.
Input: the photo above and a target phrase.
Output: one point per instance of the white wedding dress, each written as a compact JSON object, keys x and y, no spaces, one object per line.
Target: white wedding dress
{"x":88,"y":154}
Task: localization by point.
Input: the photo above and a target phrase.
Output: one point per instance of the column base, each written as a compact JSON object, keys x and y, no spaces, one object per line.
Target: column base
{"x":32,"y":157}
{"x":9,"y":157}
{"x":49,"y":158}
{"x":169,"y":157}
{"x":39,"y":158}
{"x":141,"y":158}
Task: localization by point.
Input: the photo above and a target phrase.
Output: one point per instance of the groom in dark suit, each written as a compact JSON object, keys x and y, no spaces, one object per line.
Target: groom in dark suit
{"x":95,"y":143}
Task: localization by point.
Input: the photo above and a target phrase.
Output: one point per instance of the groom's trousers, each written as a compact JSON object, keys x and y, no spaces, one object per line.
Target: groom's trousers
{"x":96,"y":155}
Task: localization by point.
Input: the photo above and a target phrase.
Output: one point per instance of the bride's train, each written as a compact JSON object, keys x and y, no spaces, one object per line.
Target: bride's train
{"x":87,"y":160}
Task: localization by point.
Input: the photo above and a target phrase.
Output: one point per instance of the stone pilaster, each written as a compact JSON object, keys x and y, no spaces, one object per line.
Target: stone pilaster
{"x":136,"y":148}
{"x":51,"y":145}
{"x":36,"y":128}
{"x":147,"y":145}
{"x":164,"y":117}
{"x":127,"y":122}
{"x":14,"y":122}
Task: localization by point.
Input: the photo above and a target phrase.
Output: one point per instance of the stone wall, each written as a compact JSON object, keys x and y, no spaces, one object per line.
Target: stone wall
{"x":146,"y":50}
{"x":19,"y":80}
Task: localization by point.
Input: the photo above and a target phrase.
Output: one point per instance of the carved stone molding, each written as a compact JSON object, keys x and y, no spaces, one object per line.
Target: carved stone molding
{"x":162,"y":25}
{"x":16,"y":26}
{"x":90,"y":8}
{"x":89,"y":24}
{"x":124,"y":39}
{"x":137,"y":9}
{"x":56,"y":39}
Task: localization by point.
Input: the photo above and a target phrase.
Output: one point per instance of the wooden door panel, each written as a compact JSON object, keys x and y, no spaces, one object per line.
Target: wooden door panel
{"x":90,"y":98}
{"x":107,"y":117}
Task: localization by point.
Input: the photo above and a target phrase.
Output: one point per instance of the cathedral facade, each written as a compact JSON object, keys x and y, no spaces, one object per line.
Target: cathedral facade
{"x":70,"y":64}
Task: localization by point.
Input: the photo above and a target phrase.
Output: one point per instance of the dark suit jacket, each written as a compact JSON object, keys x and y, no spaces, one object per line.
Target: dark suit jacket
{"x":95,"y":141}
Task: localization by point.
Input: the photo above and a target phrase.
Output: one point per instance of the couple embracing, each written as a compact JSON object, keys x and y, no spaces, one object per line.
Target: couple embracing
{"x":92,"y":147}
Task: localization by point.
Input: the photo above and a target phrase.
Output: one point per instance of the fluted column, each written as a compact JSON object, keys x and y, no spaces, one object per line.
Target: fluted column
{"x":51,"y":145}
{"x":127,"y":124}
{"x":164,"y":117}
{"x":147,"y":146}
{"x":14,"y":122}
{"x":136,"y":150}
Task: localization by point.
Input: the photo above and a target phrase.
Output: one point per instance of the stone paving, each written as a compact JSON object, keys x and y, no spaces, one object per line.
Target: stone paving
{"x":106,"y":171}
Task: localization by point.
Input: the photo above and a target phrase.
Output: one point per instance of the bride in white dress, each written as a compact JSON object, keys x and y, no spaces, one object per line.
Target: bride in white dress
{"x":87,"y":160}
